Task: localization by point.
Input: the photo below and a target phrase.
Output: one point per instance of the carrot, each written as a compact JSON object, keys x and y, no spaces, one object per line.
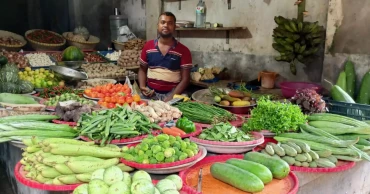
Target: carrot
{"x":169,"y":131}
{"x":178,"y":130}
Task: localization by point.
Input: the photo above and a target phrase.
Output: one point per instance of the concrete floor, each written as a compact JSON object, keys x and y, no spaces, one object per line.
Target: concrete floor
{"x":5,"y":186}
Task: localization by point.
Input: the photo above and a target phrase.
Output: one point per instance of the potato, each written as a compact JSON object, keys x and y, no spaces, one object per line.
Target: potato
{"x":138,"y":63}
{"x":247,"y":98}
{"x":225,"y":103}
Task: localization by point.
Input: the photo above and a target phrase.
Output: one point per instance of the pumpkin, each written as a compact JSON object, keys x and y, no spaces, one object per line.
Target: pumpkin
{"x":8,"y":87}
{"x":9,"y":73}
{"x":25,"y":86}
{"x":72,"y":53}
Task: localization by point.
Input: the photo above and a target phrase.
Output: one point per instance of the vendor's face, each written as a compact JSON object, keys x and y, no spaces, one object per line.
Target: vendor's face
{"x":166,"y":26}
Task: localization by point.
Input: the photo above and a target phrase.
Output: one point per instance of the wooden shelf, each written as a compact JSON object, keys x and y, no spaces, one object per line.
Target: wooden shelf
{"x":227,"y":29}
{"x":212,"y":29}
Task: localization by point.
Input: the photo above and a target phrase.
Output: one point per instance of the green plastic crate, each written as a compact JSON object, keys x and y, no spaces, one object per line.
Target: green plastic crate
{"x":356,"y":111}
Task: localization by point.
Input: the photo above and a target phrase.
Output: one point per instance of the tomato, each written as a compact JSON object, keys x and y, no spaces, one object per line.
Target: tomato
{"x":136,"y":97}
{"x":87,"y":91}
{"x":107,"y":99}
{"x":111,"y":90}
{"x":101,"y":101}
{"x":121,"y":100}
{"x":129,"y":100}
{"x":94,"y":95}
{"x":104,"y":90}
{"x":111,"y":105}
{"x":114,"y":99}
{"x":142,"y":102}
{"x":104,"y":104}
{"x":100,"y":95}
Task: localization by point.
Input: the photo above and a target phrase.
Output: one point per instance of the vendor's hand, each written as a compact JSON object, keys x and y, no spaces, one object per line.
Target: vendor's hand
{"x":147,"y":92}
{"x":168,"y":98}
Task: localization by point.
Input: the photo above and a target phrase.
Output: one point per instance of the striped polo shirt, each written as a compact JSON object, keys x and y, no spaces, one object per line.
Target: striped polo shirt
{"x":164,"y":70}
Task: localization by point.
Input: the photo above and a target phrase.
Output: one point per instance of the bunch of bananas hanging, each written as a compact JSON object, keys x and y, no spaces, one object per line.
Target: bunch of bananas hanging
{"x":296,"y":40}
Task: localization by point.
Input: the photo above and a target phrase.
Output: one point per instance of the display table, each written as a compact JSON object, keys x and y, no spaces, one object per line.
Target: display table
{"x":354,"y":180}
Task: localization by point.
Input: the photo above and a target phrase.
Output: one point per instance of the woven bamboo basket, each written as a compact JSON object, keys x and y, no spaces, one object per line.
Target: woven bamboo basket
{"x":38,"y":46}
{"x":14,"y":48}
{"x":119,"y":45}
{"x":88,"y":45}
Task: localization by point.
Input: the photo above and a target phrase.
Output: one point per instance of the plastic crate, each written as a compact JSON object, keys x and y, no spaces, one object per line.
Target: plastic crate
{"x":356,"y":111}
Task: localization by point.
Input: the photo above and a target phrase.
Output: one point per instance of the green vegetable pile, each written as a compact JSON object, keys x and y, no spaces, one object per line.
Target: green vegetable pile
{"x":65,"y":97}
{"x":161,"y":149}
{"x":58,"y":161}
{"x":224,"y":132}
{"x":203,"y":113}
{"x":275,"y":116}
{"x":113,"y":181}
{"x":118,"y":123}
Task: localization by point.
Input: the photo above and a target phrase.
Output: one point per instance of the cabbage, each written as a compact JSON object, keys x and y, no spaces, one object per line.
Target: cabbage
{"x":98,"y":174}
{"x":142,"y":186}
{"x":82,"y":189}
{"x":119,"y":188}
{"x":141,"y":175}
{"x":177,"y":180}
{"x":112,"y":174}
{"x":165,"y":184}
{"x":97,"y":186}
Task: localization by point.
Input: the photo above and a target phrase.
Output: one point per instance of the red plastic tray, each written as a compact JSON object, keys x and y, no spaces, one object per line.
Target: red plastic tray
{"x":291,"y":180}
{"x":237,"y":123}
{"x":258,"y":140}
{"x":20,"y":176}
{"x":341,"y":166}
{"x":164,"y":165}
{"x":123,"y":141}
{"x":72,"y":124}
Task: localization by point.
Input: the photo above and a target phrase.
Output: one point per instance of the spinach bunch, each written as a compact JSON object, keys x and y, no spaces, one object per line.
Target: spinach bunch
{"x":224,"y":132}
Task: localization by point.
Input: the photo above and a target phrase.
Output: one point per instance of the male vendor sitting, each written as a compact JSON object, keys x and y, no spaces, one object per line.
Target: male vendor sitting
{"x":165,"y":63}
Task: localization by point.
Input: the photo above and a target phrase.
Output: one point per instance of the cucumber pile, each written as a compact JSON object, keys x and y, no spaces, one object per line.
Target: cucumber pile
{"x":60,"y":161}
{"x":251,"y":173}
{"x":300,"y":154}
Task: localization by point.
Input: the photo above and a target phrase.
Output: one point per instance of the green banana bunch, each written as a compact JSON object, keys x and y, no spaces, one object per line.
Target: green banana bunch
{"x":296,"y":40}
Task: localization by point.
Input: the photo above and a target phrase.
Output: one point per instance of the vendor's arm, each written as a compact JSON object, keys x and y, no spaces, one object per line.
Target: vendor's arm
{"x":186,"y":65}
{"x":143,"y":70}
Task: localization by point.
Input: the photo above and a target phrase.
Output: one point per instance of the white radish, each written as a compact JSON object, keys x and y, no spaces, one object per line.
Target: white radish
{"x":176,"y":115}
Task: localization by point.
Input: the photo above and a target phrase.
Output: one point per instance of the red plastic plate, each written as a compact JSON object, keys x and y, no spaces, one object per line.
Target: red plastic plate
{"x":20,"y":176}
{"x":291,"y":180}
{"x":164,"y":165}
{"x":258,"y":139}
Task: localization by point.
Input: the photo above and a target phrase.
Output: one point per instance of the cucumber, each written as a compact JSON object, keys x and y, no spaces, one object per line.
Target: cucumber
{"x":305,"y":164}
{"x":276,"y":156}
{"x":313,"y":164}
{"x":329,"y":124}
{"x":288,"y":159}
{"x":289,"y":150}
{"x":264,"y":152}
{"x":340,"y":95}
{"x":295,"y":146}
{"x":279,"y":168}
{"x":341,"y":81}
{"x":333,"y":159}
{"x":300,"y":158}
{"x":270,"y":150}
{"x":323,"y":153}
{"x":324,"y":163}
{"x":305,"y":147}
{"x":277,"y":149}
{"x":364,"y":93}
{"x":313,"y":155}
{"x":297,"y":163}
{"x":261,"y":171}
{"x":308,"y":156}
{"x":350,"y":78}
{"x":237,"y":177}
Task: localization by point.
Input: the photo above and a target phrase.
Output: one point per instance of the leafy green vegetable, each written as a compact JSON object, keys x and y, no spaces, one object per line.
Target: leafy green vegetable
{"x":224,"y":132}
{"x":275,"y":116}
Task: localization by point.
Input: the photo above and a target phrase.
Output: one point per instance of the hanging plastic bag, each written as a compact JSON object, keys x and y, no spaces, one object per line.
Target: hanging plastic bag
{"x":128,"y":82}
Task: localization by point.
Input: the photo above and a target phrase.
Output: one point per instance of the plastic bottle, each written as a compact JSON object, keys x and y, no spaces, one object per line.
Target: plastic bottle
{"x":116,"y":21}
{"x":200,"y":15}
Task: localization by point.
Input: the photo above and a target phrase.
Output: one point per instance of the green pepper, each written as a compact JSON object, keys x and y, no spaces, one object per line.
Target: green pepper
{"x":186,"y":125}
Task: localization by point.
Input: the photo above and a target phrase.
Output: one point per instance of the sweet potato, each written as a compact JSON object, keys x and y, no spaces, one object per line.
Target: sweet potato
{"x":236,"y":94}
